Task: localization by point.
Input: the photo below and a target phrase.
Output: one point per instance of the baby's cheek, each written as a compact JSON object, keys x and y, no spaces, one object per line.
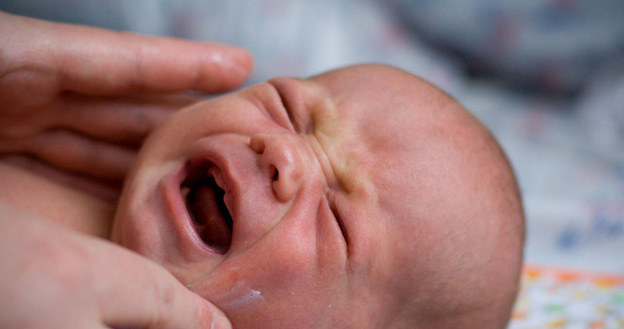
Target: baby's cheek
{"x":279,"y":298}
{"x":281,"y":264}
{"x":279,"y":283}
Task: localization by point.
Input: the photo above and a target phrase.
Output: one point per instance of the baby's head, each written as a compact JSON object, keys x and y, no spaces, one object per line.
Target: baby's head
{"x":360,"y":198}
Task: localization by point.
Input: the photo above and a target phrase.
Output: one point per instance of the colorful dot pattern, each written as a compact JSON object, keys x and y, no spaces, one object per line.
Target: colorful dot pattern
{"x":556,"y":298}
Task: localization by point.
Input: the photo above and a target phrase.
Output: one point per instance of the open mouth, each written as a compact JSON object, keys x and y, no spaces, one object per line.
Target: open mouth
{"x":206,"y":206}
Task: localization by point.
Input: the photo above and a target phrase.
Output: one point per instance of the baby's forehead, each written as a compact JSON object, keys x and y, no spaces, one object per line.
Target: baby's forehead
{"x":384,"y":124}
{"x":382,"y":106}
{"x":371,"y":78}
{"x":380,"y":97}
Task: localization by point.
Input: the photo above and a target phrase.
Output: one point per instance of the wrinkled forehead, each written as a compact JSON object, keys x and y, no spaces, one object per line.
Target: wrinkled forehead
{"x":384,"y":104}
{"x":384,"y":118}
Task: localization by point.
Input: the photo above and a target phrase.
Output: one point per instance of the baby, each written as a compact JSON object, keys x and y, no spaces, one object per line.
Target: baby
{"x":360,"y":198}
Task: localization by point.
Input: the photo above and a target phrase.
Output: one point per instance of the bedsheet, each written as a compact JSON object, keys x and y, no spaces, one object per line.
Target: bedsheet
{"x":556,"y":298}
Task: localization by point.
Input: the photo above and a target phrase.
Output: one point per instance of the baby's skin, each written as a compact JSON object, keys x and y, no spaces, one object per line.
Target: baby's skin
{"x":360,"y":198}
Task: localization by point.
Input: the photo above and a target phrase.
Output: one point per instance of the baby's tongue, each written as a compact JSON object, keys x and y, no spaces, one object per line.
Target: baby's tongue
{"x":208,"y":219}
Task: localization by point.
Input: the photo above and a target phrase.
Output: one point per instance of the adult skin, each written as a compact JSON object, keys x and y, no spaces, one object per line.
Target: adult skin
{"x":76,"y":104}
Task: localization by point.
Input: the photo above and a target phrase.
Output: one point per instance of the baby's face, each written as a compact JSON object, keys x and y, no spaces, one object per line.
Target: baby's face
{"x":303,"y":203}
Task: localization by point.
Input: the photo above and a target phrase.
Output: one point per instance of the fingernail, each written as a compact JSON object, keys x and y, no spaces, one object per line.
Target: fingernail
{"x":242,"y":62}
{"x":220,"y":322}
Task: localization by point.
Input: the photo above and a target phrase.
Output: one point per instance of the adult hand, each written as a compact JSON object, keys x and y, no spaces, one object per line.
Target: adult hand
{"x":55,"y":278}
{"x":82,"y":98}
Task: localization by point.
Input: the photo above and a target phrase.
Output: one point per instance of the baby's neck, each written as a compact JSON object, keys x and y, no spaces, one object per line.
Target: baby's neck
{"x":52,"y":201}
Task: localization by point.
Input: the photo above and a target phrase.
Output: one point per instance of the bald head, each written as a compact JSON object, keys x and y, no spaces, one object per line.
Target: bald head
{"x":401,"y":209}
{"x":451,"y":193}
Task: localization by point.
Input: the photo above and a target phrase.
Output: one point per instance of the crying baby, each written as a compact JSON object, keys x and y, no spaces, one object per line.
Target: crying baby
{"x":360,"y":198}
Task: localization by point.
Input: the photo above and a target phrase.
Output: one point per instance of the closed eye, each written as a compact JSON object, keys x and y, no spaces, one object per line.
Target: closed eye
{"x":285,"y":104}
{"x":287,"y":101}
{"x":343,"y":230}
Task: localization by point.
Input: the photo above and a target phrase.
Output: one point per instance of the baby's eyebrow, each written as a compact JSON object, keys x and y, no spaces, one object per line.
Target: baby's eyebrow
{"x":338,"y":214}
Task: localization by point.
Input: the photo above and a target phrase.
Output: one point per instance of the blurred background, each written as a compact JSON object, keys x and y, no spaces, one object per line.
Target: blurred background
{"x":546,"y":76}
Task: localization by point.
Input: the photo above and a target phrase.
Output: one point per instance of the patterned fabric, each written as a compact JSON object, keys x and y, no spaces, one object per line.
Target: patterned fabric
{"x":554,"y":298}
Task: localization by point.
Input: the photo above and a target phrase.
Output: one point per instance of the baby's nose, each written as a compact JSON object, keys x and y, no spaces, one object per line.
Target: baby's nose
{"x":281,"y":160}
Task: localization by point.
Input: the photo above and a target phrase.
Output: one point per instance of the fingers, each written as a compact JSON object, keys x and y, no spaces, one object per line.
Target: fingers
{"x":100,"y":62}
{"x":123,"y":120}
{"x":127,"y":63}
{"x":81,"y":154}
{"x":97,"y":136}
{"x":56,"y":278}
{"x":152,"y":298}
{"x":101,"y":122}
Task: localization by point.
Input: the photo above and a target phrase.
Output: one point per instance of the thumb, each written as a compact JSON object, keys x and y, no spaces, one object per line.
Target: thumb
{"x":138,"y":293}
{"x":101,"y":284}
